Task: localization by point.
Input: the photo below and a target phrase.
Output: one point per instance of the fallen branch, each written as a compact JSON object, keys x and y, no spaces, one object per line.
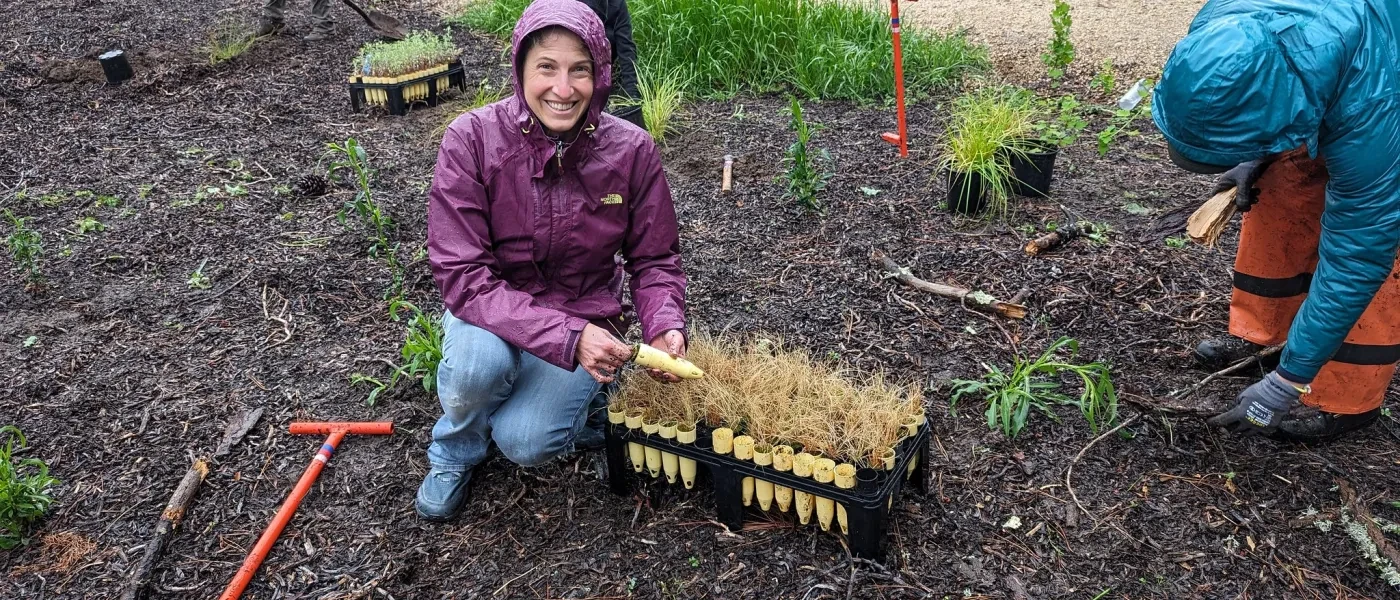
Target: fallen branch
{"x":976,"y":299}
{"x":1367,"y":520}
{"x":1070,"y":471}
{"x":180,"y":501}
{"x":1054,"y":239}
{"x":1238,"y":366}
{"x":1208,"y":222}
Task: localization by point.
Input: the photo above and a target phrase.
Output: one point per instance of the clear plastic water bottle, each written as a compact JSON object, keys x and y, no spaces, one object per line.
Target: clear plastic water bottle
{"x":1134,"y":96}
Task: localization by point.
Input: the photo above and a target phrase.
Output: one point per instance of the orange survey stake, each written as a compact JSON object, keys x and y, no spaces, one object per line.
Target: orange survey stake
{"x":336,"y":432}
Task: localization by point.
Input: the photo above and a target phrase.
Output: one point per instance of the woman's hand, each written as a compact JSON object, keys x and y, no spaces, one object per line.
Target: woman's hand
{"x":601,"y":354}
{"x":673,"y":342}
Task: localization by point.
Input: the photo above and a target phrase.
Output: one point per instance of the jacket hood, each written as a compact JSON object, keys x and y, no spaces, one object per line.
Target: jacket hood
{"x":1229,"y":93}
{"x":578,"y":18}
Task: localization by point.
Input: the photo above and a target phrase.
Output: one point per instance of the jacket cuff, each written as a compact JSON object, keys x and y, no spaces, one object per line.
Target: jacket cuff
{"x":569,"y":360}
{"x":1291,"y":376}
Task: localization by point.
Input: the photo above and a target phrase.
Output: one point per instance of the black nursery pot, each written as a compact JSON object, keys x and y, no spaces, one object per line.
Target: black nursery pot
{"x":1033,"y":171}
{"x":967,"y":193}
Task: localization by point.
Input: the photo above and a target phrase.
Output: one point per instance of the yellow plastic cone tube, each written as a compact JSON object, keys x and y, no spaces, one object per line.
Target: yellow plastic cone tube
{"x":669,"y":462}
{"x":634,"y":450}
{"x":743,"y":450}
{"x":651,"y":358}
{"x":846,"y":480}
{"x":802,"y":467}
{"x":782,"y":461}
{"x":911,"y":427}
{"x":685,"y":434}
{"x":824,"y":472}
{"x":653,"y":454}
{"x":886,"y":462}
{"x":722,"y":440}
{"x":763,"y":457}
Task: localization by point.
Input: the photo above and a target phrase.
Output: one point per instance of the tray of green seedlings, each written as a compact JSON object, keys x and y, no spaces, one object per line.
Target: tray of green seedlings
{"x":395,"y":75}
{"x":774,"y":430}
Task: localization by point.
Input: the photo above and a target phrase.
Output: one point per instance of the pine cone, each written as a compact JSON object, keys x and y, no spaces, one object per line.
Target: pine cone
{"x":310,"y":186}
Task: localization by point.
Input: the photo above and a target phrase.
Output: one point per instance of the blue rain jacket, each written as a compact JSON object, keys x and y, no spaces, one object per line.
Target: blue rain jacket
{"x":1257,"y":77}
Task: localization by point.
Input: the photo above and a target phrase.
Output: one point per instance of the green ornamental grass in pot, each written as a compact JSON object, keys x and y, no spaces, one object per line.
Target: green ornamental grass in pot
{"x":984,"y":135}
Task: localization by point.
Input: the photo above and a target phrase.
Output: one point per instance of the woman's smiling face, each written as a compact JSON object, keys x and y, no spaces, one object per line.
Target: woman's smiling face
{"x":558,"y":80}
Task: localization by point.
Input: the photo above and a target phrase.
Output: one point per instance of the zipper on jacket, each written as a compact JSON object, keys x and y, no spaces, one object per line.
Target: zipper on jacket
{"x":559,"y":153}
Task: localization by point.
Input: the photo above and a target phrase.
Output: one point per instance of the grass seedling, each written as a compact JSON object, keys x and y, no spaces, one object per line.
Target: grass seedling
{"x":1060,"y":52}
{"x":805,"y":177}
{"x":827,"y":50}
{"x":26,"y":248}
{"x":25,"y":489}
{"x":1011,"y":394}
{"x":228,"y":40}
{"x":198,"y":280}
{"x":987,"y":127}
{"x":661,"y":100}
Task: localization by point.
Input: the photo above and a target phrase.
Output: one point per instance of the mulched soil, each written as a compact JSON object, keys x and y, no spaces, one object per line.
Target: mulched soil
{"x":135,"y":372}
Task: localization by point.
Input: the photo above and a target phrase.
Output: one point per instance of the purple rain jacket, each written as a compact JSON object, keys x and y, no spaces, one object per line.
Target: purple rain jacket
{"x":523,"y":229}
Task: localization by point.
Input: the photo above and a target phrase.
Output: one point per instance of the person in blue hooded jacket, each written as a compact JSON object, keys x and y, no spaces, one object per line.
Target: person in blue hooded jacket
{"x":1298,"y":104}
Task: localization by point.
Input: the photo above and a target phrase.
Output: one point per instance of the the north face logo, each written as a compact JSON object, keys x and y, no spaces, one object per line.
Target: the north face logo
{"x":612,"y":199}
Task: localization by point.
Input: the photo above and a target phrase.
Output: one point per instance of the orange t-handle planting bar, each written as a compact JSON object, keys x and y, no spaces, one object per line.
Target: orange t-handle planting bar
{"x":901,"y":138}
{"x":336,"y":433}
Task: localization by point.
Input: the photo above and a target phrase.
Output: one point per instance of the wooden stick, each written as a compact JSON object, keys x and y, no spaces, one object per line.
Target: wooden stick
{"x":975,"y":299}
{"x":1069,"y":472}
{"x":728,"y":172}
{"x":1208,"y":222}
{"x":1053,"y":240}
{"x":180,"y":502}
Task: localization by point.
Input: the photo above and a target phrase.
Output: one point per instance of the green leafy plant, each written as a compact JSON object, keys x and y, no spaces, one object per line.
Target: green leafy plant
{"x":1105,"y":81}
{"x":26,"y":248}
{"x":1120,"y":124}
{"x":827,"y":50}
{"x":86,"y":225}
{"x":1178,"y":243}
{"x":230,"y":39}
{"x":420,"y":50}
{"x":987,"y":128}
{"x":1060,"y":53}
{"x":198,"y":280}
{"x":352,"y":159}
{"x":805,"y":178}
{"x":1059,"y":121}
{"x":421,"y":353}
{"x":25,"y":489}
{"x":1011,"y":394}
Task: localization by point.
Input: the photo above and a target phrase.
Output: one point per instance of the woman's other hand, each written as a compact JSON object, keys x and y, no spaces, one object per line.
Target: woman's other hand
{"x":673,"y":342}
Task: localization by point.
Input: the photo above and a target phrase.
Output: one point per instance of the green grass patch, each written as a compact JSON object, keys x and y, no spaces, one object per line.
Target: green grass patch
{"x":817,"y":49}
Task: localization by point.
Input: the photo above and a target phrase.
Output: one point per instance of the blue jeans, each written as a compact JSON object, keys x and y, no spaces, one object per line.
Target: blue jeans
{"x":493,"y":391}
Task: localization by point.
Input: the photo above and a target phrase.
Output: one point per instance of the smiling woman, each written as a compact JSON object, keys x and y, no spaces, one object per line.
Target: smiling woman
{"x":532,"y":199}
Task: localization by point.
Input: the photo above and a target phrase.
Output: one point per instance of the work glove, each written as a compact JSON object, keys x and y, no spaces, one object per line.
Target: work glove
{"x":1243,"y":178}
{"x":1261,"y":407}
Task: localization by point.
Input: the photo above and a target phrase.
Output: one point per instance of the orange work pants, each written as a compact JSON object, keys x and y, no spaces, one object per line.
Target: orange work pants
{"x":1273,"y":272}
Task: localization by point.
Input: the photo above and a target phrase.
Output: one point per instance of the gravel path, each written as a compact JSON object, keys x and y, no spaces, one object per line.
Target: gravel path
{"x":1137,"y":34}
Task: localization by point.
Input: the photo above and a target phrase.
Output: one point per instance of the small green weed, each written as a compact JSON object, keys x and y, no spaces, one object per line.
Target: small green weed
{"x":1120,"y":124}
{"x":144,"y":191}
{"x":1105,"y":81}
{"x":25,"y":489}
{"x":198,"y":280}
{"x":26,"y":248}
{"x":421,"y":353}
{"x":805,"y":178}
{"x":1060,"y":121}
{"x":53,"y":199}
{"x":1060,"y":54}
{"x":1178,"y":242}
{"x":1010,"y":395}
{"x":86,"y":225}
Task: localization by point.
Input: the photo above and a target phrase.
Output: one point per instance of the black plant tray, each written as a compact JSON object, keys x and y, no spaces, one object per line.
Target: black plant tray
{"x":397,"y":105}
{"x":867,"y":505}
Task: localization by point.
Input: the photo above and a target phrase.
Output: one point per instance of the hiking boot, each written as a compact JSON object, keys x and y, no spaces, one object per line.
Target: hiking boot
{"x":317,"y":36}
{"x":1217,"y":354}
{"x":1316,"y":427}
{"x":442,"y":494}
{"x":268,"y":27}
